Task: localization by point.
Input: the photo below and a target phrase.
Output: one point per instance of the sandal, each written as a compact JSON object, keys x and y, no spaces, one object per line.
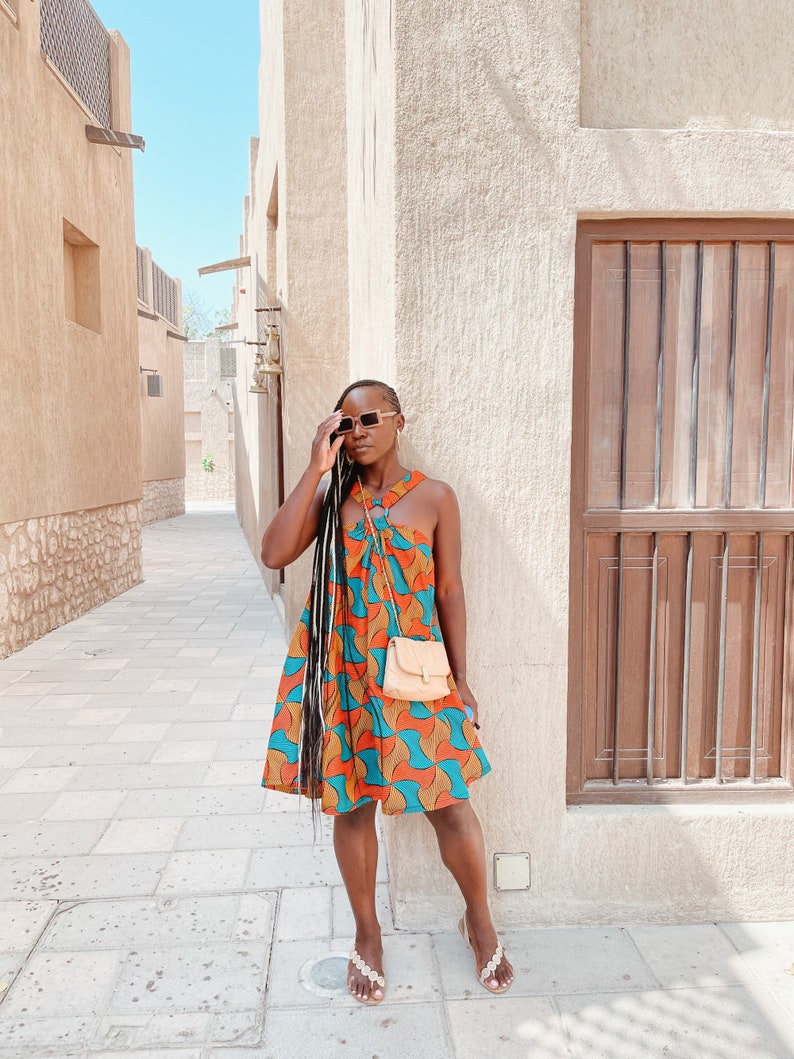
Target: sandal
{"x":485,"y":975}
{"x":374,"y":978}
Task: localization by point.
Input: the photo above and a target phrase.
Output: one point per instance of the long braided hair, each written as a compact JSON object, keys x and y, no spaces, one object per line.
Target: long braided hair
{"x":329,"y":583}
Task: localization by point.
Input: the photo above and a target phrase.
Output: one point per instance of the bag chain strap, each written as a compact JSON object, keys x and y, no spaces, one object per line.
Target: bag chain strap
{"x":379,"y":550}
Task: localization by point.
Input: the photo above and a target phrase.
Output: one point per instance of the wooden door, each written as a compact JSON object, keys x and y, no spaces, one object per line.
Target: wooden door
{"x":682,"y":505}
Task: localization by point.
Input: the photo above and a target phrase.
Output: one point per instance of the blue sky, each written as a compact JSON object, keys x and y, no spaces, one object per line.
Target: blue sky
{"x":194,"y":101}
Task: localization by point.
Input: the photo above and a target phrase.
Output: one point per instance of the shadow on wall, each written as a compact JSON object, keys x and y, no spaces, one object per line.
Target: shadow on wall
{"x":243,"y":486}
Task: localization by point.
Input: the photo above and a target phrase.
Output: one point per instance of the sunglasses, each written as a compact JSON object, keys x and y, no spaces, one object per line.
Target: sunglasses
{"x":372,"y":418}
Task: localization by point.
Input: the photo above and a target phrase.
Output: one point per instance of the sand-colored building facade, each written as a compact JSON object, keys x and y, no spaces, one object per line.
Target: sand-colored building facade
{"x":160,"y":349}
{"x":71,"y":423}
{"x":465,"y":204}
{"x":71,"y":434}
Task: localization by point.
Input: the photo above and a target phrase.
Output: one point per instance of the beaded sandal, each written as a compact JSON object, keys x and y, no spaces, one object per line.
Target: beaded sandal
{"x":485,"y":975}
{"x":372,"y":974}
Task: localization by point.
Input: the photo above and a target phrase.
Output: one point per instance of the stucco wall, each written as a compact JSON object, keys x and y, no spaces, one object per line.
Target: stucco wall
{"x":302,"y":122}
{"x":70,"y":423}
{"x":672,"y":65}
{"x":492,"y":172}
{"x":257,"y":415}
{"x":69,"y":418}
{"x":162,"y":418}
{"x":369,"y":31}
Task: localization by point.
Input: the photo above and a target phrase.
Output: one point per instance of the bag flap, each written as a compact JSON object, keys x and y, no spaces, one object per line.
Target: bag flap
{"x":415,"y":655}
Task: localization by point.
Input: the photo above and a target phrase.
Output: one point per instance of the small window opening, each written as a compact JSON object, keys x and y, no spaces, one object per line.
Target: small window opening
{"x":81,"y":278}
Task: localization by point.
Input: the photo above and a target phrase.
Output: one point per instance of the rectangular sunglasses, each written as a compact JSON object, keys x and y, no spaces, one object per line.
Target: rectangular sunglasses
{"x":373,"y":418}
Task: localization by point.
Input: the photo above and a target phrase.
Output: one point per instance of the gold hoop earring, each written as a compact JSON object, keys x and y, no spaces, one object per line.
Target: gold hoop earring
{"x":398,"y":440}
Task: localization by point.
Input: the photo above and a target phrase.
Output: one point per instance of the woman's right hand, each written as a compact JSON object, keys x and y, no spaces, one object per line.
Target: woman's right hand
{"x":323,"y":449}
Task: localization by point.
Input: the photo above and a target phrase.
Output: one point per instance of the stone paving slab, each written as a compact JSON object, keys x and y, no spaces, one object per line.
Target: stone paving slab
{"x":25,"y":806}
{"x":251,"y":831}
{"x":192,"y":801}
{"x":720,"y":1023}
{"x":22,"y":922}
{"x":158,"y":835}
{"x":294,"y":866}
{"x":156,"y":902}
{"x":510,"y":1027}
{"x":30,"y":838}
{"x":85,"y":805}
{"x":71,"y":878}
{"x":388,"y":1031}
{"x":92,"y":754}
{"x":689,"y":955}
{"x":555,"y":960}
{"x":205,"y":978}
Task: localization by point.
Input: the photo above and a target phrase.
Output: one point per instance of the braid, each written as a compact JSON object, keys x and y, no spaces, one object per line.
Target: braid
{"x":328,"y":571}
{"x":329,"y":582}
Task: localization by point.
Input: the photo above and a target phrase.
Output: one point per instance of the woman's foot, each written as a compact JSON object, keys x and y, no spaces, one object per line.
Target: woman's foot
{"x":365,"y":979}
{"x":494,"y":970}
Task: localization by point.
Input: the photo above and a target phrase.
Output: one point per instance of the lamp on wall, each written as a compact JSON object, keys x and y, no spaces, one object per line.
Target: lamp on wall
{"x":154,"y":382}
{"x":267,"y":362}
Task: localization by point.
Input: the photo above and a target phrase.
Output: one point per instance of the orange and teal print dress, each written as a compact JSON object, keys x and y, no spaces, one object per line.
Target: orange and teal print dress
{"x":409,"y":756}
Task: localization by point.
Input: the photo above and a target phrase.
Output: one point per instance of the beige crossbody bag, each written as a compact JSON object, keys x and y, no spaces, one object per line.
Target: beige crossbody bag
{"x":416,"y":670}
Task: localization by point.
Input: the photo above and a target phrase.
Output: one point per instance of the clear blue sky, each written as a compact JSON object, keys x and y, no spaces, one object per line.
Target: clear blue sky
{"x":194,"y":101}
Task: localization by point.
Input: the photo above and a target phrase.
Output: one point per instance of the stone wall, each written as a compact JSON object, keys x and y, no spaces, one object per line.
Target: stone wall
{"x":57,"y":567}
{"x":163,"y":499}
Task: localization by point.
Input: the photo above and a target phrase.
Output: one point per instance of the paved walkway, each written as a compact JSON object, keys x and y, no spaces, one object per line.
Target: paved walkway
{"x":155,"y":903}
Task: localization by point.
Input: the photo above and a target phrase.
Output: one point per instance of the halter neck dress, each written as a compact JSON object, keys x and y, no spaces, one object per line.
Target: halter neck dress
{"x":409,"y":756}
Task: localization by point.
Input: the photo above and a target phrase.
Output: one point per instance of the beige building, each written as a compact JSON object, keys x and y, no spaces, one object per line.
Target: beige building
{"x":71,"y":423}
{"x":160,"y":345}
{"x":565,"y":231}
{"x":209,"y":371}
{"x":70,"y":431}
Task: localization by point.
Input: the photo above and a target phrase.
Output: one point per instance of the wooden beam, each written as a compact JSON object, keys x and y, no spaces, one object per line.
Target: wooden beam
{"x":116,"y":139}
{"x":224,"y":266}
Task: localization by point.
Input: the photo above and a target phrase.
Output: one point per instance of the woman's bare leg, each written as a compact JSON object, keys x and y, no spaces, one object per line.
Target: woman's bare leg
{"x":462,"y":849}
{"x":356,"y":848}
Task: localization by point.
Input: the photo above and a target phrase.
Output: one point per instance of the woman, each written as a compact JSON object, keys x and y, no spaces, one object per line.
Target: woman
{"x":387,"y":553}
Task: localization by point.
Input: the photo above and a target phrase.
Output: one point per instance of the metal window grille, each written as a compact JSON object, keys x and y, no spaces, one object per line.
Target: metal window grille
{"x":195,"y":362}
{"x":686,"y":503}
{"x":75,"y":41}
{"x":164,"y":295}
{"x":228,"y":362}
{"x":141,"y":270}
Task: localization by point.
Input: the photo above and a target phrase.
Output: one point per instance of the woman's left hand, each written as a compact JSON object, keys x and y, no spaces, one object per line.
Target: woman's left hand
{"x":469,"y":700}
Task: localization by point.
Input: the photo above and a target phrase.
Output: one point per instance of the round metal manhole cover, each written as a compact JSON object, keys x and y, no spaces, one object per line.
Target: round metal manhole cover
{"x":325,"y":975}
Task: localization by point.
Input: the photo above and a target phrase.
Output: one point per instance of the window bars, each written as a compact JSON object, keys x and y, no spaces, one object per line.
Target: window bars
{"x":78,"y":45}
{"x":228,"y":362}
{"x":164,"y":295}
{"x":687,"y":556}
{"x":142,"y":273}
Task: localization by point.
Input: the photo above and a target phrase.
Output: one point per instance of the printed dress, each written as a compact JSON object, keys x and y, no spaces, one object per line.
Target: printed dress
{"x":409,"y":756}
